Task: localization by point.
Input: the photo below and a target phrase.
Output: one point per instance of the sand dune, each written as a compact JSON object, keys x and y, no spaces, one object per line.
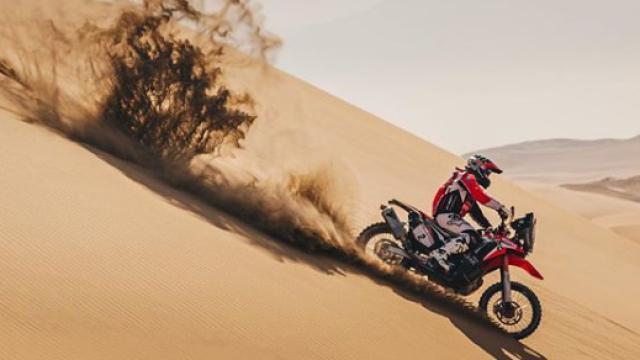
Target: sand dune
{"x":602,"y":175}
{"x":625,"y":189}
{"x":383,"y":169}
{"x":569,"y":161}
{"x":102,"y":259}
{"x":622,"y":220}
{"x":607,"y":168}
{"x":620,"y":216}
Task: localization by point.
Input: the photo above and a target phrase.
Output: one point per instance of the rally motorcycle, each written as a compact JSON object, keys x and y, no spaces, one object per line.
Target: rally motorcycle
{"x":512,"y":305}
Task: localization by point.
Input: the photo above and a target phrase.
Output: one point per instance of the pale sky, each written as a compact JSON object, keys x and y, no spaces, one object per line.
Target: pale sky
{"x":472,"y":74}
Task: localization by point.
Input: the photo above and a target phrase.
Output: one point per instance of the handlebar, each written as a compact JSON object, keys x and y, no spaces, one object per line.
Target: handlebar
{"x":503,"y":228}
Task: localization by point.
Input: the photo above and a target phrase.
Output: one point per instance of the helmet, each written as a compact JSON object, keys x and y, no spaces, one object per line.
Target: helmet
{"x":482,"y":167}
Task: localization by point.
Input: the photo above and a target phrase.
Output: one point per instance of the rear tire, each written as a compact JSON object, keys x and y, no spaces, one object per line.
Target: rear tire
{"x":375,"y":247}
{"x":371,"y":231}
{"x":516,"y":287}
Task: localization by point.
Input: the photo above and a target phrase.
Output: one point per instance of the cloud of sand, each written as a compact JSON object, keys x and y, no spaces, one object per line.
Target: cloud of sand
{"x":142,"y":81}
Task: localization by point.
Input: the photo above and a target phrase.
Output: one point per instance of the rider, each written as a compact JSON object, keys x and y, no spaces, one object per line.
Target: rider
{"x":460,"y":196}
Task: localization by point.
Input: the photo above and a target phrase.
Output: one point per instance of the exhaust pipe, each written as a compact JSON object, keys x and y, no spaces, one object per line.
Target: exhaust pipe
{"x":396,"y":226}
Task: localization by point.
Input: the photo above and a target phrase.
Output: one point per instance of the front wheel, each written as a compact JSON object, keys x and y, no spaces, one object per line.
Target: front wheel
{"x":519,"y":318}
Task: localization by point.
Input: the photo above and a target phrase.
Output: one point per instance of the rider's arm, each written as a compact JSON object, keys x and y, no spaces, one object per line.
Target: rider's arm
{"x":436,"y":200}
{"x":476,"y":191}
{"x":478,"y":216}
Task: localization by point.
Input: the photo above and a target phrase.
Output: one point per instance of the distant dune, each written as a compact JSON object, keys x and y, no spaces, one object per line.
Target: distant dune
{"x":624,"y":219}
{"x":563,"y":160}
{"x":626,"y":189}
{"x":597,"y":179}
{"x":612,"y":212}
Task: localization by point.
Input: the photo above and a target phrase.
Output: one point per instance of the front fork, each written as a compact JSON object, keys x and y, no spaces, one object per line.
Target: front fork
{"x":505,"y":279}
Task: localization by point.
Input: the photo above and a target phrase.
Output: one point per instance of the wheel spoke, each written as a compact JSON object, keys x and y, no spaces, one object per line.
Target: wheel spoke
{"x":522,"y":315}
{"x":375,"y":248}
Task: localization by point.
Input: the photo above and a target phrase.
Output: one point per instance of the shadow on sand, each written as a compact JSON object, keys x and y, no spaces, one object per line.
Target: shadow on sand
{"x":189,"y":202}
{"x":495,"y":343}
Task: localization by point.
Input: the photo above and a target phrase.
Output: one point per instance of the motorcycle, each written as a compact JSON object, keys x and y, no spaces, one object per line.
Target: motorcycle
{"x":512,"y":305}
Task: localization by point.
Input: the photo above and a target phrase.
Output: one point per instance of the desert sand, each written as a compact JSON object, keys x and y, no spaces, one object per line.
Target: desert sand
{"x":619,"y":215}
{"x":625,"y":189}
{"x":103,"y":260}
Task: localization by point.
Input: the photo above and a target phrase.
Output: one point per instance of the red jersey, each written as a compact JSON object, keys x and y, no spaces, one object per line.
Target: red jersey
{"x":460,"y":193}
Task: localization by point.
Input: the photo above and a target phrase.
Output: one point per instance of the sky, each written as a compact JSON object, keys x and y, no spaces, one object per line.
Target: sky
{"x":470,"y":74}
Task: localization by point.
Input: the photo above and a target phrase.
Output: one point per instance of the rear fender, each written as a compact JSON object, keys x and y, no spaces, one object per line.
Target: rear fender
{"x":514,"y":260}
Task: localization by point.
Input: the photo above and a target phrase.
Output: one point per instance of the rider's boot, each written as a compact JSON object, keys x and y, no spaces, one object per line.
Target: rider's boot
{"x":441,"y":255}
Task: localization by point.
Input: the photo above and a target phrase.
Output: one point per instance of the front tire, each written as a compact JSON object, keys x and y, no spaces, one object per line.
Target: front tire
{"x":520,"y":318}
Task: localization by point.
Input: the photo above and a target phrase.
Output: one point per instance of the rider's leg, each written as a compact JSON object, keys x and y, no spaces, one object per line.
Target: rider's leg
{"x":468,"y":237}
{"x":441,"y":255}
{"x":457,"y":225}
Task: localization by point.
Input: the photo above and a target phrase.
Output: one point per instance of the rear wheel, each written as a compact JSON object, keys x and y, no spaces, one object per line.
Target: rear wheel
{"x":377,"y":240}
{"x":520,"y":317}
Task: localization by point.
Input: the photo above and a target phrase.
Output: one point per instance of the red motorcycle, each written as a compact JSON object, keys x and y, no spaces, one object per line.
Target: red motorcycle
{"x":510,"y":304}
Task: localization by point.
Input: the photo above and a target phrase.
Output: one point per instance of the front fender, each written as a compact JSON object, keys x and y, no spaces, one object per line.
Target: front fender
{"x":514,"y":260}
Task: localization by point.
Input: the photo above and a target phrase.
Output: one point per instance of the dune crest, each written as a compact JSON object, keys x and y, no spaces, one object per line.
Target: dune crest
{"x":625,"y":189}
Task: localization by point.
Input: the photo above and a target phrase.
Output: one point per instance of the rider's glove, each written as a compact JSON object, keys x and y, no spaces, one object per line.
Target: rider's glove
{"x":503,"y":212}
